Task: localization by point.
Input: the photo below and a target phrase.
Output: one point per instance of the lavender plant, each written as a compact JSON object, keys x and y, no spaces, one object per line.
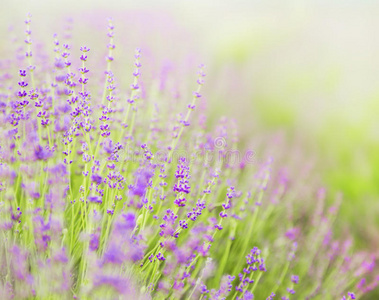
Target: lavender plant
{"x":106,"y":195}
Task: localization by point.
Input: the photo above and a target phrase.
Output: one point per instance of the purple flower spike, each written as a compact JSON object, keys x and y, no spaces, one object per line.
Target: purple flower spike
{"x":41,"y":153}
{"x":84,"y":49}
{"x":295,"y":279}
{"x":95,"y":199}
{"x":181,"y":187}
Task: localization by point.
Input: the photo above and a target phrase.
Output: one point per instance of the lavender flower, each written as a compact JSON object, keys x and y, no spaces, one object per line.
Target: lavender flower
{"x":94,"y":206}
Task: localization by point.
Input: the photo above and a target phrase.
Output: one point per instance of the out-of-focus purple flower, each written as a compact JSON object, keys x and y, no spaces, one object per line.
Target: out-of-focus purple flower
{"x":143,"y":177}
{"x":271,"y":297}
{"x":94,"y":241}
{"x":41,"y":153}
{"x":295,"y":279}
{"x":84,"y":49}
{"x":95,"y":199}
{"x":114,"y":255}
{"x":292,"y":233}
{"x":61,"y":256}
{"x":96,"y":178}
{"x":119,"y":284}
{"x":19,"y":263}
{"x":350,"y":295}
{"x":168,"y":227}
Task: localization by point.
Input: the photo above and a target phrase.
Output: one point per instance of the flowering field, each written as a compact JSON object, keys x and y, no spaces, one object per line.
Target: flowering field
{"x":116,"y":182}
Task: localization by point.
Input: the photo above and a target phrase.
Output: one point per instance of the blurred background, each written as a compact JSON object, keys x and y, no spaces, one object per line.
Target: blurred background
{"x":305,"y":70}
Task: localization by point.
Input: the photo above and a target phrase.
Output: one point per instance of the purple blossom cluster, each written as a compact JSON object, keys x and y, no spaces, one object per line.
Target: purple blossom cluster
{"x":181,"y":188}
{"x":254,"y":263}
